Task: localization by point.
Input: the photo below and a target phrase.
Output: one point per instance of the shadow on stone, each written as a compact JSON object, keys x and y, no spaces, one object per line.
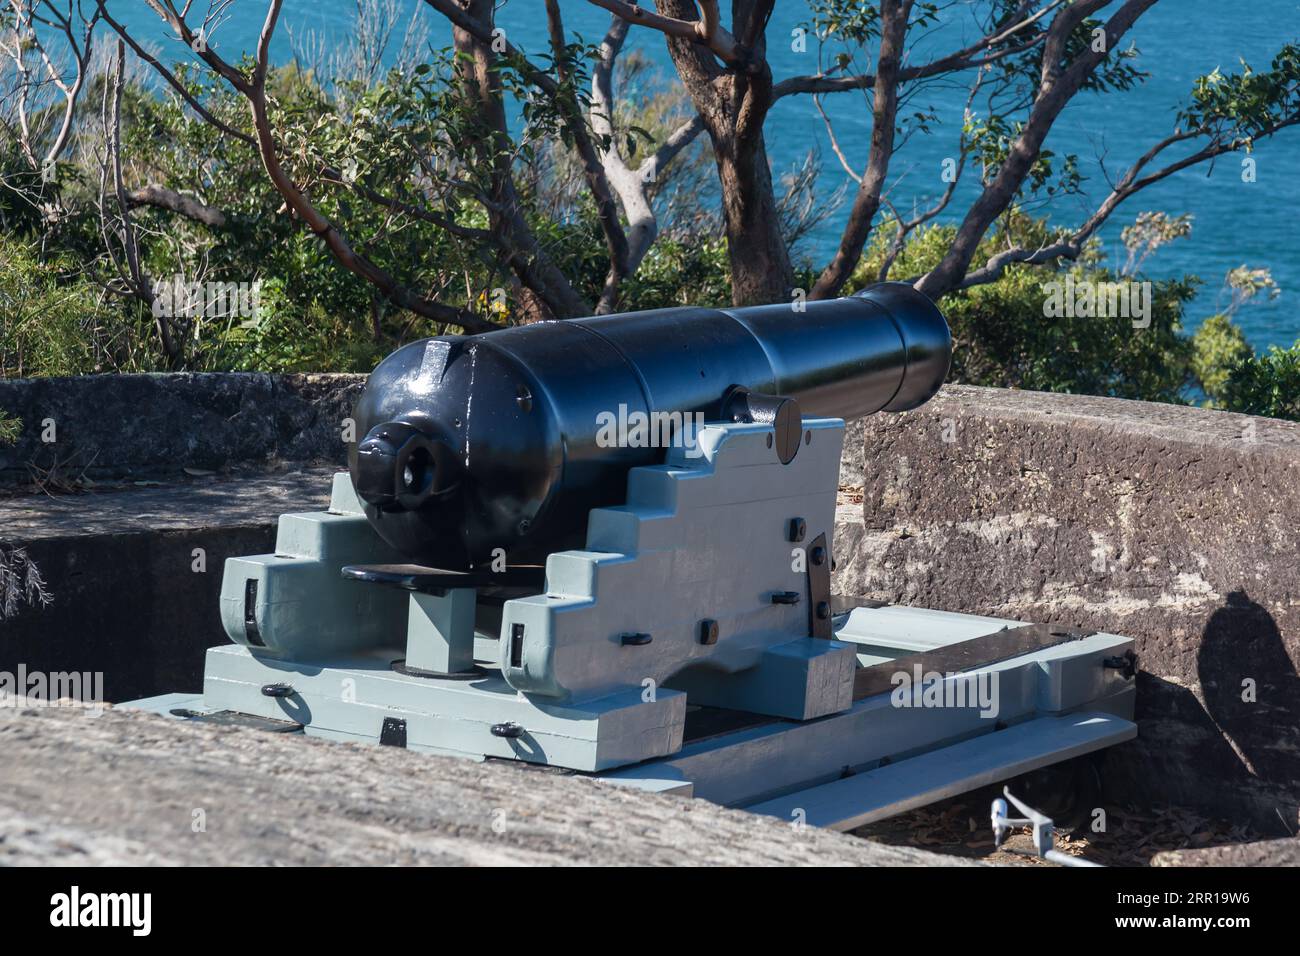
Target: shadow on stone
{"x":1252,"y":694}
{"x":1180,"y":758}
{"x":1220,"y":750}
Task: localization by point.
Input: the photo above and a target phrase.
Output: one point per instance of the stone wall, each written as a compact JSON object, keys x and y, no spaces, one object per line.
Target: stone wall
{"x":149,"y":484}
{"x":134,"y":573}
{"x":1176,"y":526}
{"x":149,"y":426}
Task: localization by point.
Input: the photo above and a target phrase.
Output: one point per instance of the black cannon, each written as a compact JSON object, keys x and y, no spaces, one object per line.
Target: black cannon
{"x":478,"y":443}
{"x":674,"y":626}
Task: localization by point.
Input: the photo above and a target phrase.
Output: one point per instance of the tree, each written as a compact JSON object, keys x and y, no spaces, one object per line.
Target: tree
{"x":440,"y":149}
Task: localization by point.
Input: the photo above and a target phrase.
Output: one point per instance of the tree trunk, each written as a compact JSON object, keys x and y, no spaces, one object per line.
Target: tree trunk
{"x":760,"y":262}
{"x":866,"y":204}
{"x":481,"y":83}
{"x":733,"y":104}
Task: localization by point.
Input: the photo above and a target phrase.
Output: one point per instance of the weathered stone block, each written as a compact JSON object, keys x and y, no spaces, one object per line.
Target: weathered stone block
{"x":135,"y":574}
{"x":286,"y":800}
{"x":114,"y":426}
{"x":1176,"y":526}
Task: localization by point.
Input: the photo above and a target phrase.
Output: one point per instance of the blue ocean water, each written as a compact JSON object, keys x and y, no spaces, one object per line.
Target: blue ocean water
{"x":1235,"y":222}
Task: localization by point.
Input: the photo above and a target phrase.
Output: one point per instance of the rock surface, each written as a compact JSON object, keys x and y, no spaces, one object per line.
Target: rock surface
{"x":1263,"y":853}
{"x":111,"y":426}
{"x":133,"y":788}
{"x":134,"y":573}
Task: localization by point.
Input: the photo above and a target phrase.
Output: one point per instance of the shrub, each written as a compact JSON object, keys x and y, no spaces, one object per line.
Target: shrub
{"x":1003,"y":337}
{"x":1267,"y":385}
{"x":1218,"y":347}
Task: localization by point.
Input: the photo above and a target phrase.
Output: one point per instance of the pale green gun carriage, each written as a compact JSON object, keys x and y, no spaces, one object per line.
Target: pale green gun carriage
{"x":606,"y":545}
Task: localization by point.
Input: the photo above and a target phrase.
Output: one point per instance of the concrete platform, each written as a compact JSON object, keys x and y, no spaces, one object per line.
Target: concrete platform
{"x":135,"y":572}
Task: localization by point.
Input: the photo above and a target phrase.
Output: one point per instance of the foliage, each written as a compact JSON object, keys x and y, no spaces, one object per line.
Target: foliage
{"x":20,"y":582}
{"x":1267,"y":385}
{"x":1232,"y":376}
{"x":10,"y":428}
{"x":991,"y":139}
{"x":1002,"y":335}
{"x":54,"y":319}
{"x":1150,"y":231}
{"x":396,"y":155}
{"x":1219,"y":347}
{"x":681,"y":271}
{"x":1245,"y":105}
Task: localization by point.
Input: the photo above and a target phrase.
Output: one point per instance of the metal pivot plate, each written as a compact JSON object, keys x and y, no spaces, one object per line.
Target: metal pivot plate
{"x":230,"y":718}
{"x":474,"y":673}
{"x":415,"y":577}
{"x":965,"y":655}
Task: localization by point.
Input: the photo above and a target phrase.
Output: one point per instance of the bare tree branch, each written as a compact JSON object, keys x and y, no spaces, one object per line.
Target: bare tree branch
{"x":835,"y":143}
{"x":172,"y":80}
{"x":907,"y":227}
{"x":154,"y":194}
{"x":136,"y":280}
{"x":631,"y":185}
{"x":894,"y":15}
{"x":1131,"y":182}
{"x":961,"y":60}
{"x":478,"y":66}
{"x":706,"y":29}
{"x":1059,"y":87}
{"x":163,"y":197}
{"x":594,"y":170}
{"x":77,"y":39}
{"x":253,"y":88}
{"x":319,"y":224}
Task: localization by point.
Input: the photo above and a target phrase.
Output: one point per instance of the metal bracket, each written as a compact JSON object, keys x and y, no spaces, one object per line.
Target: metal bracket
{"x":819,"y":588}
{"x":1126,"y":664}
{"x":393,"y":732}
{"x":251,"y":631}
{"x":231,"y":718}
{"x":1044,"y":831}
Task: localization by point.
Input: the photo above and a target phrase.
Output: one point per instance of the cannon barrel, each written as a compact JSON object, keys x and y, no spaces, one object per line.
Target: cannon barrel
{"x":478,"y":443}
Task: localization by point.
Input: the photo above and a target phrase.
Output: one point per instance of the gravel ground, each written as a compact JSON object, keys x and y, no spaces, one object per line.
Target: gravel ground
{"x":1133,"y":837}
